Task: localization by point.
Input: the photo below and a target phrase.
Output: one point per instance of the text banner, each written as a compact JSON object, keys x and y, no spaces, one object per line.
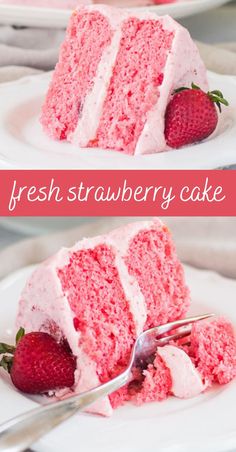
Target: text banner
{"x":117,"y":192}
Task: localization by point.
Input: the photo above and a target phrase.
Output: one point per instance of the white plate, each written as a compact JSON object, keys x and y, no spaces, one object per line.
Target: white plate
{"x":25,"y":145}
{"x":57,"y":18}
{"x":206,"y":423}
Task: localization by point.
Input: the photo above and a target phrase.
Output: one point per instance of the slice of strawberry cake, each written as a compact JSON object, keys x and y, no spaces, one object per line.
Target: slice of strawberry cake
{"x":71,"y":4}
{"x":101,"y":294}
{"x":95,"y":298}
{"x":116,"y":73}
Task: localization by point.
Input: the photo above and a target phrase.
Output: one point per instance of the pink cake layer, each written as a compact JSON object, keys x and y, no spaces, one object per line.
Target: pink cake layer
{"x":101,"y":294}
{"x":138,"y":59}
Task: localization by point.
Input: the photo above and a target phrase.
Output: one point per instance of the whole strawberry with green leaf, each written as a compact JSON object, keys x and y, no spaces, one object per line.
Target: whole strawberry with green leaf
{"x":37,"y":363}
{"x":191,"y":115}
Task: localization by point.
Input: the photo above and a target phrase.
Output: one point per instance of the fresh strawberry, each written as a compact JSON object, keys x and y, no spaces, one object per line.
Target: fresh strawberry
{"x":37,"y":363}
{"x":191,"y":115}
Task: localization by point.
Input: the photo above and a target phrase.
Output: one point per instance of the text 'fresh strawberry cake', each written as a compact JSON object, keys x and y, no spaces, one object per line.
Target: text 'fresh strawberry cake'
{"x":82,"y":310}
{"x":116,"y":74}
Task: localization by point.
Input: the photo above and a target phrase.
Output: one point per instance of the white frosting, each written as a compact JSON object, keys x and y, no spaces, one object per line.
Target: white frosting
{"x":183,"y":66}
{"x":186,"y":380}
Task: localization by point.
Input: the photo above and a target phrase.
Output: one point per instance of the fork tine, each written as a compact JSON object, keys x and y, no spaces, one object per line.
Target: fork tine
{"x":178,"y":323}
{"x":173,"y":337}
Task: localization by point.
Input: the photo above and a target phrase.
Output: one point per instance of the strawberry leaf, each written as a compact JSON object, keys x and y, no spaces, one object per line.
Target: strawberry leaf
{"x":6,"y":362}
{"x":195,"y":86}
{"x":219,"y":106}
{"x":5,"y":348}
{"x":178,"y":90}
{"x":182,"y":88}
{"x":217,"y":97}
{"x":20,"y":334}
{"x":217,"y":93}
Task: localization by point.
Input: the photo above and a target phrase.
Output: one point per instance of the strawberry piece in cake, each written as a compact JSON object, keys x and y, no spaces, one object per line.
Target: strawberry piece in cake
{"x":116,"y":73}
{"x":94,"y":298}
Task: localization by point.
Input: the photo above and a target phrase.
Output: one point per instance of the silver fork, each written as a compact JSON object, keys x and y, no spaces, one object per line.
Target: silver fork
{"x":22,"y":431}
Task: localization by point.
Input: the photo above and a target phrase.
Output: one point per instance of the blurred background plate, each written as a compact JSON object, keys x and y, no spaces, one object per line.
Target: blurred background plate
{"x":57,"y":18}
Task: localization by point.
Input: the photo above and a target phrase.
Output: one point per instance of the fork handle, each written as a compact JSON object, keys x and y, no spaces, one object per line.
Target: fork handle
{"x":22,"y":431}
